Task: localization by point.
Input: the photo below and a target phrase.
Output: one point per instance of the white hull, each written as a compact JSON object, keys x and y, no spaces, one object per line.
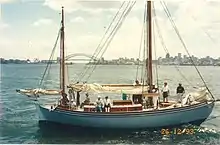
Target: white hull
{"x":194,"y":114}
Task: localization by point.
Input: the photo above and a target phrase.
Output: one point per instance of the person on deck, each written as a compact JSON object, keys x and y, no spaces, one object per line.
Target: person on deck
{"x":64,"y":100}
{"x":150,"y":98}
{"x":137,"y":83}
{"x":165,"y":91}
{"x":136,"y":101}
{"x":78,"y":98}
{"x":180,"y":91}
{"x":99,"y":104}
{"x":145,"y":103}
{"x":124,"y":96}
{"x":107,"y":104}
{"x":86,"y":101}
{"x":155,"y":98}
{"x":70,"y":91}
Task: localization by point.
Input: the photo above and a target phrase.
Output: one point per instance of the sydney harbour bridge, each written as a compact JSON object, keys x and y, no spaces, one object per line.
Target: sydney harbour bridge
{"x":77,"y":57}
{"x":87,"y":57}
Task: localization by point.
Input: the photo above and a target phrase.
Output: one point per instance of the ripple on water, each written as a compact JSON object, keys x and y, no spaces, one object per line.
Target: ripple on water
{"x":19,"y":122}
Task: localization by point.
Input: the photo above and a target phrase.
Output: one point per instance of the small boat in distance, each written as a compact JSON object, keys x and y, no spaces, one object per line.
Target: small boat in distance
{"x":128,"y":113}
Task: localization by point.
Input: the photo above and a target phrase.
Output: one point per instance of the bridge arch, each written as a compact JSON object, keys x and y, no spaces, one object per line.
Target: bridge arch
{"x":68,"y":57}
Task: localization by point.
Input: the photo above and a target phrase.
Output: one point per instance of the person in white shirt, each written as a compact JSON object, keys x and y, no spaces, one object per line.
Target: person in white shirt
{"x":165,"y":91}
{"x":144,"y":102}
{"x":99,"y":104}
{"x":155,"y":98}
{"x":107,"y":104}
{"x":70,"y":91}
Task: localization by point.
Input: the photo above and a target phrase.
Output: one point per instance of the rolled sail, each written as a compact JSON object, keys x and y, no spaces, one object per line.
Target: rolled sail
{"x":36,"y":92}
{"x":110,"y":88}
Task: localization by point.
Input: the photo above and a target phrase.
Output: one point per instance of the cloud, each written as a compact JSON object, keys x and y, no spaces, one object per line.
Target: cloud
{"x":43,"y":21}
{"x":3,"y":25}
{"x":123,"y":44}
{"x":127,"y":40}
{"x":77,"y":20}
{"x":6,"y":1}
{"x":193,"y":20}
{"x":88,"y":6}
{"x":81,"y":37}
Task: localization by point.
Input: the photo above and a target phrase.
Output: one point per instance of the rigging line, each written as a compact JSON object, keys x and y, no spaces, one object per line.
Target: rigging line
{"x":165,"y":48}
{"x":99,"y":45}
{"x":155,"y":53}
{"x":114,"y":32}
{"x":143,"y":72}
{"x":109,"y":26}
{"x":211,"y":38}
{"x":144,"y":53}
{"x":66,"y":70}
{"x":138,"y":65}
{"x":142,"y":33}
{"x":111,"y":36}
{"x":146,"y":69}
{"x":117,"y":28}
{"x":94,"y":65}
{"x":184,"y":45}
{"x":67,"y":74}
{"x":49,"y":67}
{"x":58,"y":35}
{"x":105,"y":34}
{"x":175,"y":28}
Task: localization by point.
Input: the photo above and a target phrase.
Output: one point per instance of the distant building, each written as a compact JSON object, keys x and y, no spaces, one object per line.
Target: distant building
{"x":179,"y":55}
{"x":168,"y":55}
{"x":58,"y":59}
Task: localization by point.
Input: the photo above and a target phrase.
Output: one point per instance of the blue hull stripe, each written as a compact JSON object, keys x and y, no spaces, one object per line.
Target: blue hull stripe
{"x":142,"y":113}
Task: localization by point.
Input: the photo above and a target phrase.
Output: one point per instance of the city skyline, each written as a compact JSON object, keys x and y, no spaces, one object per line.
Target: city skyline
{"x":166,"y":60}
{"x":28,"y":28}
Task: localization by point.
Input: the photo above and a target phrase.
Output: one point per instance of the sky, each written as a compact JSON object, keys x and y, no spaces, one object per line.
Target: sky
{"x":28,"y":28}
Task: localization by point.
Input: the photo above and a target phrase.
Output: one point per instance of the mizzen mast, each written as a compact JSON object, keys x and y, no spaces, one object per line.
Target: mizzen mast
{"x":62,"y":55}
{"x":149,"y":40}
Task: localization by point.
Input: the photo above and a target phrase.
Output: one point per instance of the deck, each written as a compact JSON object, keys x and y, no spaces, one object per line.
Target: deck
{"x":118,"y":106}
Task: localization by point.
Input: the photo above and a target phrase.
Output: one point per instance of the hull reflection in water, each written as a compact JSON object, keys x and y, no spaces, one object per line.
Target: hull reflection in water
{"x":194,"y":114}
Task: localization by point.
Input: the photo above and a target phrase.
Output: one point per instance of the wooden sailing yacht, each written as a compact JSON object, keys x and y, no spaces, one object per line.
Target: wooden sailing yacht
{"x":123,"y":113}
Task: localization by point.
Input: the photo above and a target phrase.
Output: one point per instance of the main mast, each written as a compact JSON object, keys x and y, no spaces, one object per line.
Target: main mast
{"x":62,"y":55}
{"x":149,"y":38}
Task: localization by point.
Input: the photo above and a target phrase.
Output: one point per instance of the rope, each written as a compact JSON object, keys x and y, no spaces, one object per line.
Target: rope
{"x":155,"y":53}
{"x":139,"y":55}
{"x":184,"y":45}
{"x":144,"y":50}
{"x":51,"y":56}
{"x":83,"y":72}
{"x":116,"y":28}
{"x":210,"y":37}
{"x":112,"y":34}
{"x":166,"y":50}
{"x":143,"y":72}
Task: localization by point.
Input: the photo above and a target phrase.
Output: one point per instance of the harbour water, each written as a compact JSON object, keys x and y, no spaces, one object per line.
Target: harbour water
{"x":19,"y":121}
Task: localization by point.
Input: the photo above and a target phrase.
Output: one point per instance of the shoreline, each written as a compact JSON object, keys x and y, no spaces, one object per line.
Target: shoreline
{"x":105,"y":64}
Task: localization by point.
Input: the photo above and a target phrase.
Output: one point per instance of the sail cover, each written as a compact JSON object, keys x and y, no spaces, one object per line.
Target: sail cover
{"x":34,"y":92}
{"x":200,"y":95}
{"x":97,"y":88}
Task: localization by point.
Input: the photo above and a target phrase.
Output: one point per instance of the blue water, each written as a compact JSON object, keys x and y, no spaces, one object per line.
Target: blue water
{"x":19,"y":121}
